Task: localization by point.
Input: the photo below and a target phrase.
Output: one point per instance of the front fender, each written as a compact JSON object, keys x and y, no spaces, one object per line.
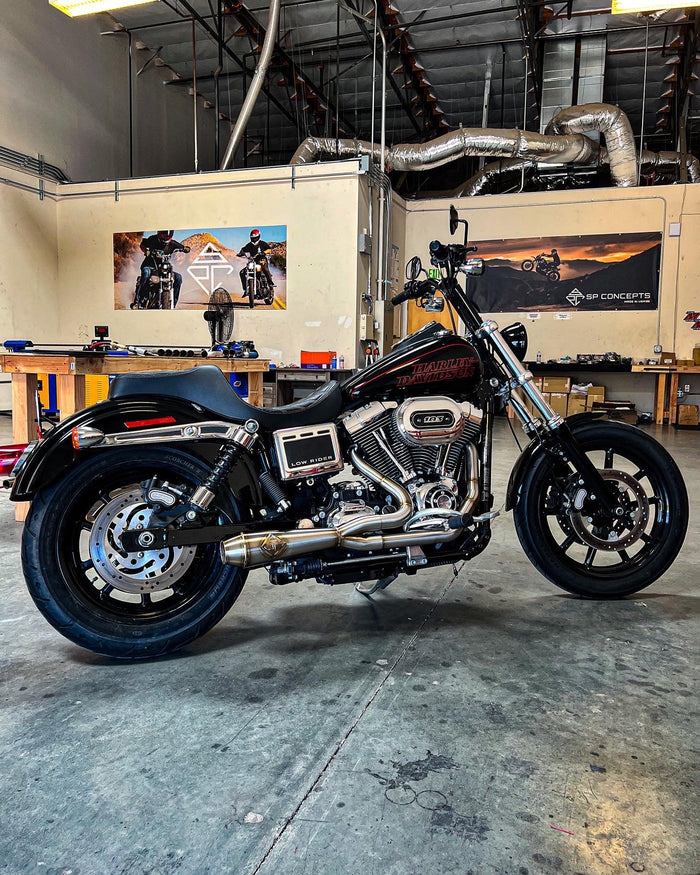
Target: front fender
{"x":55,"y":454}
{"x":533,"y":449}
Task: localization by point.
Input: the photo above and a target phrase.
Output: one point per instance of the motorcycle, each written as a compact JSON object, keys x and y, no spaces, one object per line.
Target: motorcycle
{"x":149,"y":509}
{"x":257,"y":284}
{"x":542,"y":264}
{"x":160,"y":290}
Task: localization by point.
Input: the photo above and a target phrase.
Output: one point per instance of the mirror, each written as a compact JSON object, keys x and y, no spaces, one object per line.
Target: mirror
{"x":454,"y":220}
{"x":413,"y":268}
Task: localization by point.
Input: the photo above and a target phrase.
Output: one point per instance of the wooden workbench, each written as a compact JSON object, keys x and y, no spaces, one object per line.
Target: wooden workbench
{"x":666,"y":394}
{"x":71,"y":370}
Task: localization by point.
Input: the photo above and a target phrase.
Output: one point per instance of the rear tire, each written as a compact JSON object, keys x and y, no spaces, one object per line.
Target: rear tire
{"x":118,"y":604}
{"x":580,"y":551}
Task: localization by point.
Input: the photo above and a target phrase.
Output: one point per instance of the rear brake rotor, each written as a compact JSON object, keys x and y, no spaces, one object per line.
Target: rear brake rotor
{"x":145,"y":571}
{"x":621,"y":532}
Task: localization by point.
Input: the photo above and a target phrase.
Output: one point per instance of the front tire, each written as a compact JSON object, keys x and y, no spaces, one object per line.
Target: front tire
{"x":528,"y":264}
{"x":251,"y":292}
{"x":118,"y":604}
{"x":582,"y":551}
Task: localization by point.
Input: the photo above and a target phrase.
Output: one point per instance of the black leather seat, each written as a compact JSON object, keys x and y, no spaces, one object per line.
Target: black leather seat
{"x":209,"y":388}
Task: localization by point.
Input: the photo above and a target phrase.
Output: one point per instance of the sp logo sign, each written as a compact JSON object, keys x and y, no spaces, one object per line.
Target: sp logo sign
{"x":694,"y":317}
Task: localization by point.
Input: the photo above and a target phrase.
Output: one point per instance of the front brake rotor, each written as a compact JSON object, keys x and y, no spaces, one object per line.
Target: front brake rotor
{"x":615,"y":533}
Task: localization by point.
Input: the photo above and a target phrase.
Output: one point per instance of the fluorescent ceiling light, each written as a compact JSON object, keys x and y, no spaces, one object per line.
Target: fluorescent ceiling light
{"x":86,"y":7}
{"x":626,"y":7}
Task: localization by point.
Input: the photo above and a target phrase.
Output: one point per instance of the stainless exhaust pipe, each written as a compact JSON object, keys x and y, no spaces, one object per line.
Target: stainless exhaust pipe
{"x":251,"y":551}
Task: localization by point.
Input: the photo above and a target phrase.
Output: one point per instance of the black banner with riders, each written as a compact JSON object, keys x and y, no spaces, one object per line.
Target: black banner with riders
{"x":591,"y":272}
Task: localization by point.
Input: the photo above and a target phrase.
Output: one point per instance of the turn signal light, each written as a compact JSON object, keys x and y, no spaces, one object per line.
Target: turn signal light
{"x":83,"y":436}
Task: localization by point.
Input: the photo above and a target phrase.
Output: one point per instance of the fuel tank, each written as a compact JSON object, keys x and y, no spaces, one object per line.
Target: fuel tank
{"x":433,"y":361}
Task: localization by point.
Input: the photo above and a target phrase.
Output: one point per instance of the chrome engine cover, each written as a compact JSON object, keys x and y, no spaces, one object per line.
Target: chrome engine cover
{"x":434,"y":421}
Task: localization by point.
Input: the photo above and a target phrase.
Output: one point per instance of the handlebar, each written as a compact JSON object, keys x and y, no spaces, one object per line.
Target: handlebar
{"x":414,"y":289}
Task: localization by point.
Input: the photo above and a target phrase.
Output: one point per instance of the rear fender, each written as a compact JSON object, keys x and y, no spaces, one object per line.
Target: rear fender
{"x":533,"y":449}
{"x":55,"y":454}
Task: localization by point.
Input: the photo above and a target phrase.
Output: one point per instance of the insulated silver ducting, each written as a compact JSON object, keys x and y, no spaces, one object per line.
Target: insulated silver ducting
{"x":672,"y":159}
{"x":478,"y":183}
{"x":255,"y":85}
{"x":489,"y":176}
{"x":610,"y":121}
{"x":465,"y":142}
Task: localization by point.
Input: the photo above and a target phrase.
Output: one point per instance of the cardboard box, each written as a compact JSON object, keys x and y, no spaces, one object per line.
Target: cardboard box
{"x":559,"y":385}
{"x":559,"y":401}
{"x":596,"y":393}
{"x":577,"y":404}
{"x":317,"y":359}
{"x":696,"y":355}
{"x":667,"y":358}
{"x":687,"y":414}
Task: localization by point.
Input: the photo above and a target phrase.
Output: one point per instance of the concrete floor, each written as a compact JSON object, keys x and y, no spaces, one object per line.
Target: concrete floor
{"x":479,"y":723}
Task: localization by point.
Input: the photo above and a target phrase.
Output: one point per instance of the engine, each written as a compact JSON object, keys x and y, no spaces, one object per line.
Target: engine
{"x":419,"y":443}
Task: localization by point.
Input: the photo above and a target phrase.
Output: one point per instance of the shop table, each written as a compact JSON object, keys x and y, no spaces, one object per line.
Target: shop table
{"x":666,"y":394}
{"x":71,"y":368}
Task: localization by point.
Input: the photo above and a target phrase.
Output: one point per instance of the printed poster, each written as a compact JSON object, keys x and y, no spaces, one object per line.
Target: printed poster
{"x":218,"y":258}
{"x":587,"y":272}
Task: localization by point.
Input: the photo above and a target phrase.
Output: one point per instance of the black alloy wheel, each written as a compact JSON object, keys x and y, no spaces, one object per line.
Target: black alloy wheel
{"x":573,"y":542}
{"x":100,"y":596}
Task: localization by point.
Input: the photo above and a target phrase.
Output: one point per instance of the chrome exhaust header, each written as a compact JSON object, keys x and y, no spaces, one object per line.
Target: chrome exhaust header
{"x":363,"y":533}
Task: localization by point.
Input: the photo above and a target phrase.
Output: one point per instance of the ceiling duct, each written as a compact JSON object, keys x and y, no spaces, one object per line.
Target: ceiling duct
{"x":503,"y":171}
{"x":564,"y":143}
{"x":615,"y":127}
{"x":464,"y":142}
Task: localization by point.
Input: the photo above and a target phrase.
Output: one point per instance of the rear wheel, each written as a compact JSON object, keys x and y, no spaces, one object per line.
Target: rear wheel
{"x":101,"y":597}
{"x":580,"y":548}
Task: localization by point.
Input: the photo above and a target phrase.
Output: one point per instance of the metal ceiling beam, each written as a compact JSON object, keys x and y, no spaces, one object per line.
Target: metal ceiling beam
{"x":408,"y":109}
{"x":318,"y":102}
{"x":412,"y":70}
{"x":231,"y":54}
{"x":530,"y":22}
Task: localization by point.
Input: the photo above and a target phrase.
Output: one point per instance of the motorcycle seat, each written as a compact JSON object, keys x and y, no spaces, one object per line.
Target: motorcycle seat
{"x":208,"y":387}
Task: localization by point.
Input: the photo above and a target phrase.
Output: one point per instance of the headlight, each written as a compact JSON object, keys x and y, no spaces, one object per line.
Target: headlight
{"x":515,"y":336}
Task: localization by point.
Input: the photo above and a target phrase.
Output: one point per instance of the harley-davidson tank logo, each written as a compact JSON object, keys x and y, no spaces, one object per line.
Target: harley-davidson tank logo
{"x":433,"y":372}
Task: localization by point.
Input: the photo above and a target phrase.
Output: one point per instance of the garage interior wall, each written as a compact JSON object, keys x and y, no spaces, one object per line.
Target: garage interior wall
{"x":599,"y":211}
{"x":65,"y":96}
{"x":69,"y":285}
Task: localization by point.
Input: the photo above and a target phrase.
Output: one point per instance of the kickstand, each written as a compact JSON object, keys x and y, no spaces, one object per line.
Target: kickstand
{"x":379,"y":584}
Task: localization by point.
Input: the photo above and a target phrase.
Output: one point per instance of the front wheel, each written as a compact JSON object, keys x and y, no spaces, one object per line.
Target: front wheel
{"x":120,"y":604}
{"x":251,"y":292}
{"x":575,"y":544}
{"x":528,"y":264}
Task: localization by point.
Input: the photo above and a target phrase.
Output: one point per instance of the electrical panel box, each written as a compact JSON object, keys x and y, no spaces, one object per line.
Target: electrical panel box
{"x":365,"y":244}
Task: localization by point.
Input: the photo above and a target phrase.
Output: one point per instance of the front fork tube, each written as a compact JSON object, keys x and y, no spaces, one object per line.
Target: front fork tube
{"x":559,"y":440}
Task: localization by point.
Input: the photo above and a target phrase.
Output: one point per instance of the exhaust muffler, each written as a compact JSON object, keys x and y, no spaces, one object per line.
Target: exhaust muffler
{"x":364,"y":532}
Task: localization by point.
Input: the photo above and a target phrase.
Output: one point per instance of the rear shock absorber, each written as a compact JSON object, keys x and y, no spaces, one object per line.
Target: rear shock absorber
{"x":242,"y":438}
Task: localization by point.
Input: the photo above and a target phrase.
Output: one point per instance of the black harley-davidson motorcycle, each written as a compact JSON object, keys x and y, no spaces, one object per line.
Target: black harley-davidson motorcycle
{"x":159,"y":293}
{"x":257,"y":284}
{"x":149,"y":508}
{"x":542,"y":263}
